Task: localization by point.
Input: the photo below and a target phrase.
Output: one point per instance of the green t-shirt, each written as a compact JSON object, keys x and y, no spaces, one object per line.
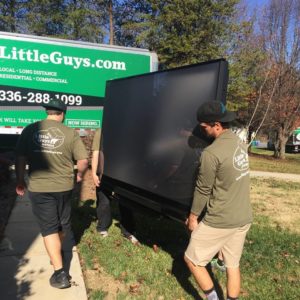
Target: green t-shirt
{"x":223,"y":184}
{"x":50,"y":149}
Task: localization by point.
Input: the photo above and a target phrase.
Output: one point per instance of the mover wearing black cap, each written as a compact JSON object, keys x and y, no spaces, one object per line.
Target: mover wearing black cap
{"x":222,"y":193}
{"x":50,"y":149}
{"x":214,"y":111}
{"x":56,"y":104}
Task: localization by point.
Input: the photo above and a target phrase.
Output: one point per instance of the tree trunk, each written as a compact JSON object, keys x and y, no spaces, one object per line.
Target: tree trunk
{"x":111,"y":25}
{"x":280,"y":143}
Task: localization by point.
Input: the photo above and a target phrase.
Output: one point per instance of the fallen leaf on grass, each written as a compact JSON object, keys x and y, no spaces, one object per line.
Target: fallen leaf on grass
{"x":285,"y":254}
{"x":96,"y":266}
{"x":118,"y":243}
{"x":123,"y":275}
{"x":155,"y":248}
{"x":134,"y":288}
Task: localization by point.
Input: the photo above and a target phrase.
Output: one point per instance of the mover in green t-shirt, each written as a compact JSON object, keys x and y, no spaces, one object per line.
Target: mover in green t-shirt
{"x":50,"y":149}
{"x":222,"y":188}
{"x":127,"y":223}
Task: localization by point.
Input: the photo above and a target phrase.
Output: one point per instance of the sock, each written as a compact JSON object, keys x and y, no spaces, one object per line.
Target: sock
{"x":232,"y":298}
{"x":56,"y":272}
{"x":211,"y":294}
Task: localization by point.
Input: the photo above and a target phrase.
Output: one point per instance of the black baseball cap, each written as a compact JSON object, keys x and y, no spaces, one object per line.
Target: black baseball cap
{"x":55,"y":104}
{"x":214,"y":111}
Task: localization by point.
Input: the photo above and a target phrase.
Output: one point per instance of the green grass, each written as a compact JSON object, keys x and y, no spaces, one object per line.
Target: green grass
{"x":270,"y":264}
{"x":262,"y":160}
{"x":98,"y":295}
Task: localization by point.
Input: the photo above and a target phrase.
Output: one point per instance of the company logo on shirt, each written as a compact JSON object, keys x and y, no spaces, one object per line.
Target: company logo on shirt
{"x":240,"y":159}
{"x":49,"y":139}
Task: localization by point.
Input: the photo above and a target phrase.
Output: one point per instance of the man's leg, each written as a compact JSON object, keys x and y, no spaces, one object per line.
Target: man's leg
{"x":53,"y":246}
{"x":204,"y":244}
{"x":126,"y":218}
{"x":201,"y":275}
{"x":233,"y":282}
{"x":103,"y":211}
{"x":51,"y":213}
{"x":59,"y":279}
{"x":53,"y":241}
{"x":232,"y":252}
{"x":127,"y":223}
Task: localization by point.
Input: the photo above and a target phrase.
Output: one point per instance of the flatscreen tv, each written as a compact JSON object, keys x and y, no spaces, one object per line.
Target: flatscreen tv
{"x":151,"y":139}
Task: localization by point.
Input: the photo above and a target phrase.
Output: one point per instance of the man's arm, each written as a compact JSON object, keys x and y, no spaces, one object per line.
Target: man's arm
{"x":95,"y":160}
{"x":82,"y":165}
{"x":97,"y":166}
{"x":20,"y":165}
{"x":204,"y":185}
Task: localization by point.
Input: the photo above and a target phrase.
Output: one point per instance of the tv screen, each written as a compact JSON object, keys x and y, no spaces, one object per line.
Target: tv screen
{"x":151,"y":139}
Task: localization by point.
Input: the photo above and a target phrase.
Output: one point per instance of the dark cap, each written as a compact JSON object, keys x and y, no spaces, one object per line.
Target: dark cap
{"x":214,"y":111}
{"x":55,"y":104}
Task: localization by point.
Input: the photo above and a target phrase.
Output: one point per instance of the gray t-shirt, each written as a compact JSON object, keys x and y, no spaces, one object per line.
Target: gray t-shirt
{"x":223,"y":183}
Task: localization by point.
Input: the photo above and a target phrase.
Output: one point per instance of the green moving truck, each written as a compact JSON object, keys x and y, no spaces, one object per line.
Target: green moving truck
{"x":34,"y":69}
{"x":292,"y":144}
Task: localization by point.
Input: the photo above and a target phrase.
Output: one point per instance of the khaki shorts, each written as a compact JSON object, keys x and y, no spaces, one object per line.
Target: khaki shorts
{"x":207,"y":241}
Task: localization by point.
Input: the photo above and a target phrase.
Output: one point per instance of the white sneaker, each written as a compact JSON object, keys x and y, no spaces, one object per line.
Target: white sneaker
{"x":133,"y":239}
{"x":129,"y":236}
{"x":104,"y":233}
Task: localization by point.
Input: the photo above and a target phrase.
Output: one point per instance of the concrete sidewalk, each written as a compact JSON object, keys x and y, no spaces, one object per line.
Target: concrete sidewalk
{"x":24,"y":263}
{"x":281,"y":176}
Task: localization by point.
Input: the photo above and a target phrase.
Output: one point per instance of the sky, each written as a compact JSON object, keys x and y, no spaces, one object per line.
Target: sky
{"x":252,"y":4}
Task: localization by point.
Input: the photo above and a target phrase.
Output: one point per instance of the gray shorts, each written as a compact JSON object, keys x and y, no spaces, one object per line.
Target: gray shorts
{"x":207,"y":241}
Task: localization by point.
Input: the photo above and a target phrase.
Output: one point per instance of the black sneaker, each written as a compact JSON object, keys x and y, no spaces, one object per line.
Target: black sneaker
{"x":60,"y":280}
{"x":219,"y":264}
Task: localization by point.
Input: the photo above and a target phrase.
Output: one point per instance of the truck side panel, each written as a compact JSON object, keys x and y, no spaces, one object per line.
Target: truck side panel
{"x":33,"y":70}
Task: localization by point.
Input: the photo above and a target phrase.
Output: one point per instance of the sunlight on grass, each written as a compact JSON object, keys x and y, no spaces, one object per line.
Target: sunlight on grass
{"x":262,"y":160}
{"x":155,"y":269}
{"x":98,"y":295}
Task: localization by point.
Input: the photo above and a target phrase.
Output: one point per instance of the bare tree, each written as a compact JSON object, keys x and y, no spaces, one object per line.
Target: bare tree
{"x":281,"y":38}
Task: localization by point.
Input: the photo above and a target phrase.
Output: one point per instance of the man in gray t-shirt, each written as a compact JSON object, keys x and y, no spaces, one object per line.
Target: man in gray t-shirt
{"x":222,"y":188}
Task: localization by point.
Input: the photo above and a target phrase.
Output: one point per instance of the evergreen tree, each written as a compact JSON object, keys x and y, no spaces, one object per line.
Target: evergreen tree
{"x":193,"y":30}
{"x":181,"y":32}
{"x":10,"y":14}
{"x":83,"y":20}
{"x":132,"y":21}
{"x":45,"y":17}
{"x":86,"y":20}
